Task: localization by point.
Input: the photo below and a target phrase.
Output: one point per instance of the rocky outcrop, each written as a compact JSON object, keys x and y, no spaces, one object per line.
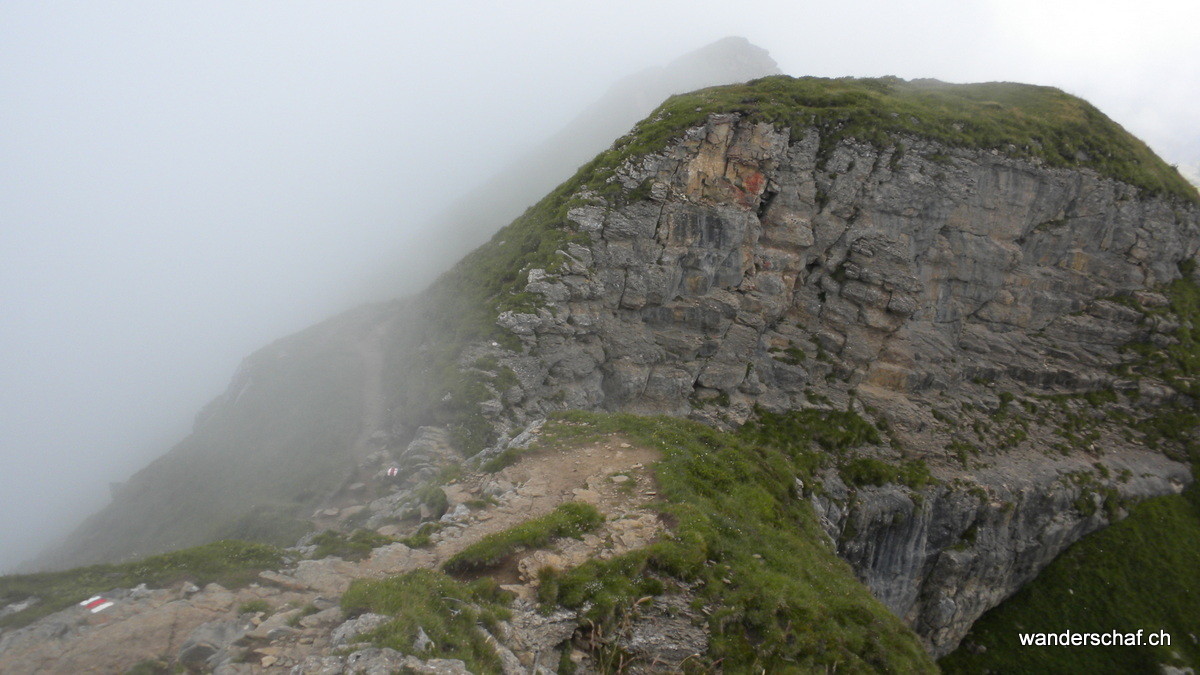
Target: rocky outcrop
{"x":942,"y":556}
{"x":197,"y":628}
{"x":759,"y":271}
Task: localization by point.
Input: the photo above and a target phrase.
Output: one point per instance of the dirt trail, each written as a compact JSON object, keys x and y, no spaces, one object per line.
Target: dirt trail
{"x":612,"y":474}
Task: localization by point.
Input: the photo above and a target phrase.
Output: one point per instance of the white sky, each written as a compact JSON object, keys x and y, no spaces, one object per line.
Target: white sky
{"x":183,"y":182}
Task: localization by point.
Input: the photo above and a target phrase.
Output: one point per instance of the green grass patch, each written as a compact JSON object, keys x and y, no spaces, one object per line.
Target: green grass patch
{"x":782,"y":600}
{"x":229,"y":563}
{"x":422,"y":538}
{"x":433,"y":497}
{"x":791,"y":355}
{"x":834,"y":431}
{"x":962,"y":451}
{"x":448,"y":611}
{"x":355,"y":546}
{"x":870,"y":471}
{"x":572,"y":519}
{"x":504,"y":459}
{"x":254,"y":607}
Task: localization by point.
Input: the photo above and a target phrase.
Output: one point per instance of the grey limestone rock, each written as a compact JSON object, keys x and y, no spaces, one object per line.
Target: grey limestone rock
{"x":761,"y":272}
{"x":377,"y":661}
{"x":344,"y":634}
{"x":941,"y":556}
{"x":208,"y":645}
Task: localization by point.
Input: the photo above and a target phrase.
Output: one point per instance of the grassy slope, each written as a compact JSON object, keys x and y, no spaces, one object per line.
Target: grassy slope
{"x":229,"y":563}
{"x":783,"y":601}
{"x":778,"y":598}
{"x":248,"y":471}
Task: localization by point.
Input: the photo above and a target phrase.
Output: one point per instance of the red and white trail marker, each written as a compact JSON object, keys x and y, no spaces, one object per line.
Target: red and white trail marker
{"x":97,"y":603}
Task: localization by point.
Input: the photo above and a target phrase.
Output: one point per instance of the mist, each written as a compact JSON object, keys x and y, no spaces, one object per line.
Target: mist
{"x":183,"y":183}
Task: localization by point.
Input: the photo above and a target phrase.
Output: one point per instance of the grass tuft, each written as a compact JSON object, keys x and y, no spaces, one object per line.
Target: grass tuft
{"x":423,"y":537}
{"x":870,"y":471}
{"x":834,"y":431}
{"x":356,"y":546}
{"x":447,"y":610}
{"x":254,"y":607}
{"x":572,"y":519}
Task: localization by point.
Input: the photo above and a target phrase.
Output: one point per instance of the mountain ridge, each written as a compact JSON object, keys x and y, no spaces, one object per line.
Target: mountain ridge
{"x":475,"y":215}
{"x":969,"y":303}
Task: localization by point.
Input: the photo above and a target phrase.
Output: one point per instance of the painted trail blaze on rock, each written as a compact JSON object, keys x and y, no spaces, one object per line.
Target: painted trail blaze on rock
{"x":96,"y":603}
{"x":752,"y":187}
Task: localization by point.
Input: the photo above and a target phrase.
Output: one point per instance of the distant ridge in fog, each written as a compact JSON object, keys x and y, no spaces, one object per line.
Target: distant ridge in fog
{"x":303,"y":401}
{"x":477,"y":215}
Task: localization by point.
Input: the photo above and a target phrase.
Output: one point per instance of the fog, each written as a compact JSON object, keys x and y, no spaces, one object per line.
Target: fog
{"x":182,"y":183}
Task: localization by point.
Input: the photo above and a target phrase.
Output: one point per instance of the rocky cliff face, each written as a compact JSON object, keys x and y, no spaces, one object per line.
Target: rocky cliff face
{"x":937,"y":289}
{"x":756,"y":271}
{"x":942,"y":556}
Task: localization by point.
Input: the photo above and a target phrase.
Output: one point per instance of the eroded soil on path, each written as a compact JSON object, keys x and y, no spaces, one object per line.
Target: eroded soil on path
{"x":302,"y":619}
